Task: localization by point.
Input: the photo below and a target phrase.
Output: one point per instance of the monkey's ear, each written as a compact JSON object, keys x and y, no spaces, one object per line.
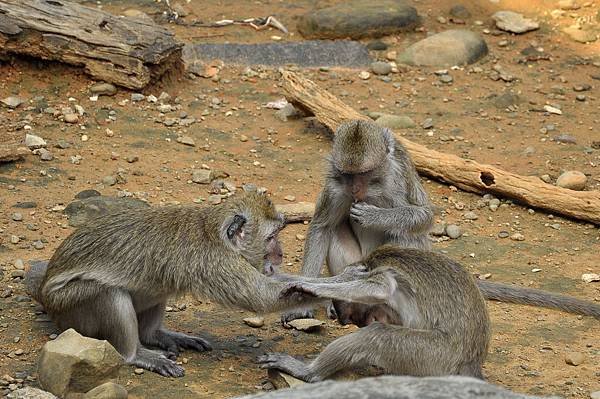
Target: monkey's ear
{"x":390,"y":141}
{"x":235,"y":230}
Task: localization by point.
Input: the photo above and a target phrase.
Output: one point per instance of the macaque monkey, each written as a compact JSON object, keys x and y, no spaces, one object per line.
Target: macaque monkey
{"x":421,"y":313}
{"x":372,"y":196}
{"x":110,"y":279}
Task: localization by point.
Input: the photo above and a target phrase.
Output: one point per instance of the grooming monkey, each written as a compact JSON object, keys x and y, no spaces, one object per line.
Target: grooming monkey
{"x":372,"y":196}
{"x":422,"y":315}
{"x":111,"y":278}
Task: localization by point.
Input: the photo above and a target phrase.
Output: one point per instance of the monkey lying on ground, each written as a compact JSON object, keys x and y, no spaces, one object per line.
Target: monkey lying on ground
{"x":111,"y":278}
{"x":423,"y":313}
{"x":372,"y":196}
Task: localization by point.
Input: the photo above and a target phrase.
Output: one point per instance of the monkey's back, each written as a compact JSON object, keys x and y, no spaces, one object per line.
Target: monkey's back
{"x":142,"y":249}
{"x":445,"y":294}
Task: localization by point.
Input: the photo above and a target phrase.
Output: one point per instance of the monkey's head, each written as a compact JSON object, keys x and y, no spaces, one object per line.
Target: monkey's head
{"x":251,"y":228}
{"x":359,"y":157}
{"x":362,"y":315}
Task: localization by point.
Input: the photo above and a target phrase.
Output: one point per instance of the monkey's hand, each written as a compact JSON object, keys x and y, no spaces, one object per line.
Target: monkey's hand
{"x":297,"y":292}
{"x":355,"y":272}
{"x":365,"y":214}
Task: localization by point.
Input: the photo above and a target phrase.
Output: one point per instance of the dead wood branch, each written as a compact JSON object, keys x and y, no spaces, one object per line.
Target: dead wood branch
{"x":463,"y":173}
{"x":125,"y":51}
{"x":297,"y":212}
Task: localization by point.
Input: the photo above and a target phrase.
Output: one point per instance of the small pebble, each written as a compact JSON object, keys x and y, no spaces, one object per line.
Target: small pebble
{"x":364,"y":75}
{"x":255,"y":322}
{"x":290,"y":198}
{"x":17,"y":217}
{"x":214,"y":199}
{"x":573,"y":180}
{"x":470,"y":216}
{"x":138,"y":371}
{"x":503,"y":234}
{"x":453,"y":231}
{"x":71,"y":118}
{"x":574,"y":358}
{"x":517,"y":237}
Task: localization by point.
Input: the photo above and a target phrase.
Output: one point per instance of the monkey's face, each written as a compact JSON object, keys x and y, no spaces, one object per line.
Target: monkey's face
{"x":360,"y":185}
{"x":253,"y":232}
{"x":359,"y":314}
{"x":274,"y":254}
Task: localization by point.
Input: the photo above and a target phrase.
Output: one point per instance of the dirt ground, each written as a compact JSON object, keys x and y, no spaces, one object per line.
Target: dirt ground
{"x":528,"y":347}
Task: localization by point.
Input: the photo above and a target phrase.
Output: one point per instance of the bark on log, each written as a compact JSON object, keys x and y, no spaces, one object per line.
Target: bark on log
{"x":465,"y":174}
{"x":125,"y":51}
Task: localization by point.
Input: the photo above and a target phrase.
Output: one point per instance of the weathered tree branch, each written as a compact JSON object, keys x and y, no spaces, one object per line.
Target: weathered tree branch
{"x":463,"y":173}
{"x":125,"y":51}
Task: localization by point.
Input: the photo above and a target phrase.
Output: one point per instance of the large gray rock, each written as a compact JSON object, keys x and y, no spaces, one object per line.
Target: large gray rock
{"x":74,"y":363}
{"x":358,"y":19}
{"x":314,"y":53}
{"x":395,"y":387}
{"x":81,"y":211}
{"x":449,"y":48}
{"x":30,"y":393}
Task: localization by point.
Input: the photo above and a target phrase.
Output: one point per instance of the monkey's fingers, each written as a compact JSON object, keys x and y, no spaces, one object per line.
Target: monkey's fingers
{"x":297,"y":289}
{"x":195,"y":343}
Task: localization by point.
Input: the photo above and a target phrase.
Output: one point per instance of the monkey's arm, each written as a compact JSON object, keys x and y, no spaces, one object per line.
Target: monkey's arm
{"x":350,"y":273}
{"x":377,"y":288}
{"x":414,"y":215}
{"x":412,"y":218}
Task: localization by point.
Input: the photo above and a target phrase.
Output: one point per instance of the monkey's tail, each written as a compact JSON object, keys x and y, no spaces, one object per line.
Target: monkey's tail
{"x":529,"y":296}
{"x":34,"y":278}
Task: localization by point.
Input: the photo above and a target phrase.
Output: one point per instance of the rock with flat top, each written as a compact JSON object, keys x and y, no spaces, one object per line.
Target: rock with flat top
{"x":446,"y":49}
{"x":30,"y":393}
{"x":73,"y":363}
{"x":514,"y":22}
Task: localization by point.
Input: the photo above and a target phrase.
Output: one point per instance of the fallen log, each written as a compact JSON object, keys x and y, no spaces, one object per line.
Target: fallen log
{"x":465,"y":174}
{"x":297,"y":212}
{"x":125,"y":51}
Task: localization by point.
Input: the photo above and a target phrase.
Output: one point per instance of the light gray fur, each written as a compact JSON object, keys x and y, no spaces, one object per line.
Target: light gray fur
{"x":435,"y":322}
{"x":395,"y":387}
{"x":111,"y":278}
{"x":396,"y":209}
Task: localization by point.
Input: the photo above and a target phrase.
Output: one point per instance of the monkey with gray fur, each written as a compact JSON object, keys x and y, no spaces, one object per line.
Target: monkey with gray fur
{"x":110,"y":279}
{"x":422,"y":315}
{"x":372,"y":196}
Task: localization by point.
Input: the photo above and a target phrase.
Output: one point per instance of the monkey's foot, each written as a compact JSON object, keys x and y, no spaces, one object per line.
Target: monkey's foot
{"x":297,"y":314}
{"x":331,"y":313}
{"x":287,"y":364}
{"x":157,"y":363}
{"x":171,"y":340}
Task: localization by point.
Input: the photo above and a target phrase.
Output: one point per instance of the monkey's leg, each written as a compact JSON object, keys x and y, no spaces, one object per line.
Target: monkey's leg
{"x":152,"y":333}
{"x":111,"y":316}
{"x":344,"y":250}
{"x":395,"y":349}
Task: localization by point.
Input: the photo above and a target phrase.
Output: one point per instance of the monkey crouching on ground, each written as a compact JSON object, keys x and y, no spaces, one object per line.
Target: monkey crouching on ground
{"x":110,"y":279}
{"x":422,"y":316}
